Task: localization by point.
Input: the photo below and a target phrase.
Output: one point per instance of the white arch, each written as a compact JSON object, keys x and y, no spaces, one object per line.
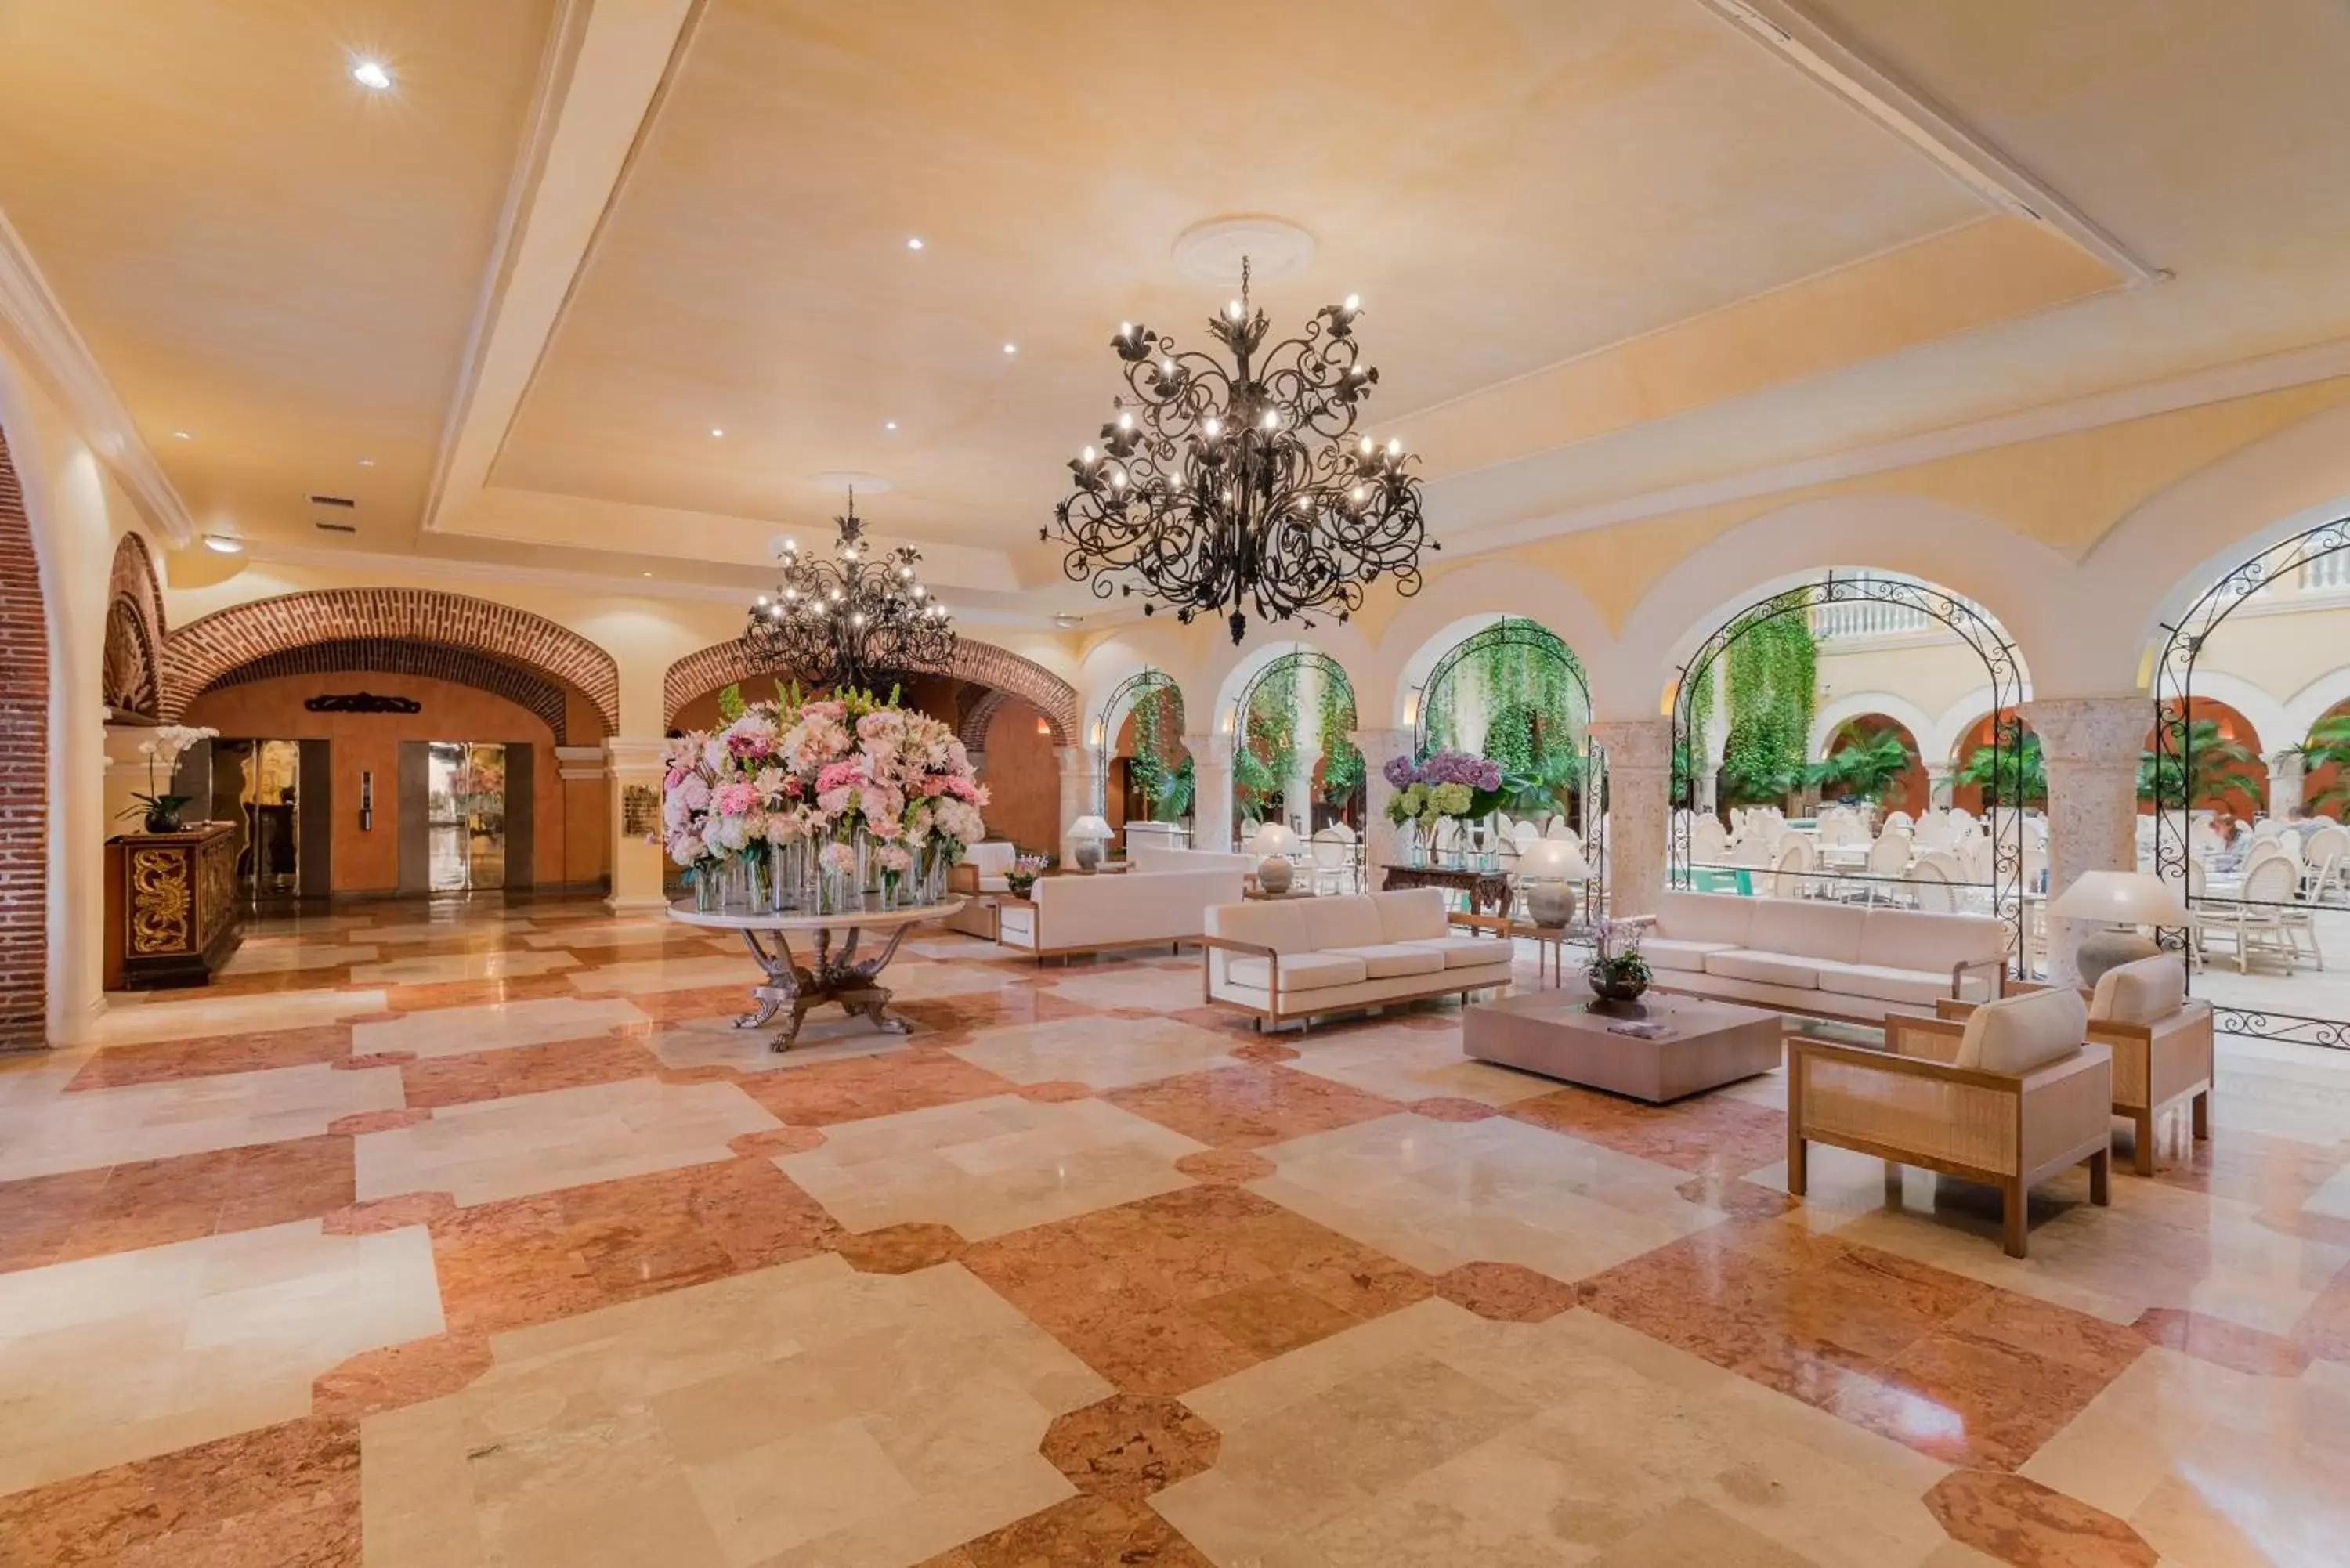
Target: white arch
{"x":2270,"y":721}
{"x":2022,"y":582}
{"x":1911,"y":717}
{"x":1464,"y":602}
{"x":1231,"y":669}
{"x":2309,"y":705}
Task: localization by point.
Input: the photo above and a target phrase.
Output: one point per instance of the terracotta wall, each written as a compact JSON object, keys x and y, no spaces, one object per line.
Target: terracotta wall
{"x":1023,"y":779}
{"x":368,"y":862}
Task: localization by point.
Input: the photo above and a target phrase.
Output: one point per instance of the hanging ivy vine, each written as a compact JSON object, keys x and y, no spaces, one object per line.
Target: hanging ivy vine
{"x":1342,"y":763}
{"x":1267,"y":754}
{"x":1773,"y":673}
{"x":1166,"y":786}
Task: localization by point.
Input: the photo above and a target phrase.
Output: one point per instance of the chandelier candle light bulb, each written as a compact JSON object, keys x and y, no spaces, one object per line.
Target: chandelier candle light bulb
{"x":885,"y":632}
{"x":1279,"y":517}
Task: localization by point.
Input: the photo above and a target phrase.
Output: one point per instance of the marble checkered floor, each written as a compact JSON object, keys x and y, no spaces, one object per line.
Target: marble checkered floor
{"x":476,"y":1235}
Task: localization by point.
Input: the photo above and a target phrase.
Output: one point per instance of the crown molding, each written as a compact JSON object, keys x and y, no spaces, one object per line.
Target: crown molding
{"x":32,"y":314}
{"x":2213,"y":384}
{"x":1790,"y":30}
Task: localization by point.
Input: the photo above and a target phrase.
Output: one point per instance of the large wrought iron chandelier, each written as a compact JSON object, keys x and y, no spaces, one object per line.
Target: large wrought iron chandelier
{"x":852,"y":622}
{"x":1226,"y":488}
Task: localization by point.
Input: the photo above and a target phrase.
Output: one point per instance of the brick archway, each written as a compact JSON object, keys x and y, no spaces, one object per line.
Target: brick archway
{"x":132,"y":667}
{"x":526,"y":688}
{"x":980,"y":663}
{"x":24,"y":774}
{"x":204,"y":653}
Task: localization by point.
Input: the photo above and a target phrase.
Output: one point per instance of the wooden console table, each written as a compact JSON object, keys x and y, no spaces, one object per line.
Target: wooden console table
{"x":829,"y":976}
{"x":172,"y":914}
{"x":1489,"y":891}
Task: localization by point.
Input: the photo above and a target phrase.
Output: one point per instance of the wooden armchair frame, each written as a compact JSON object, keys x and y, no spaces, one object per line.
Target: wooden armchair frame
{"x":1908,"y":1104}
{"x":2156,"y":1066}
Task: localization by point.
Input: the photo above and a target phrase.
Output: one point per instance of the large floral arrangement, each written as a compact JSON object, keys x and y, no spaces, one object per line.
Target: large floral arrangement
{"x":823,"y":773}
{"x":1442,"y":785}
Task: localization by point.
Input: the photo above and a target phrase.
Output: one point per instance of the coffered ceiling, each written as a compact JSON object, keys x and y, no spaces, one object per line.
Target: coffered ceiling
{"x":1608,"y":249}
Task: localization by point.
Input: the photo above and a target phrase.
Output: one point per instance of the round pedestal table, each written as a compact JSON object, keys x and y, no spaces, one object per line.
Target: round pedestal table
{"x":830,"y":974}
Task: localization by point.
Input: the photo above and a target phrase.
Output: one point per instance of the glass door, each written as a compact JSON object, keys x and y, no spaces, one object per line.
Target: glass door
{"x":465,"y":815}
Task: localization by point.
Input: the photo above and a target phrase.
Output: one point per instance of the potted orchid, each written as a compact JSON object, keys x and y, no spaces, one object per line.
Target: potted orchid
{"x":164,"y":749}
{"x":1617,"y":973}
{"x":1021,"y":879}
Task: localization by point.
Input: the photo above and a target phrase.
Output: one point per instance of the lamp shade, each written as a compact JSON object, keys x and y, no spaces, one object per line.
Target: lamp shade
{"x":1275,"y":838}
{"x":2121,"y":898}
{"x":1089,"y":827}
{"x":1553,"y":860}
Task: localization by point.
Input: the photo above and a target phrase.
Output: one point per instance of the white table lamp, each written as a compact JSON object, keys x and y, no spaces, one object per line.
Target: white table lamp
{"x":1275,"y":841}
{"x":1548,"y":868}
{"x":1086,"y":837}
{"x":2122,"y":900}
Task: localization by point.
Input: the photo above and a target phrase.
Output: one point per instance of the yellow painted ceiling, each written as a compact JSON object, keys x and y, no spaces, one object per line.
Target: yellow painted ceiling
{"x":1609,"y":247}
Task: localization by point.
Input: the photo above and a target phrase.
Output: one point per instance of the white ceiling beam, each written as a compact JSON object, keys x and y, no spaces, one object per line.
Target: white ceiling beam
{"x":32,"y":316}
{"x":606,"y":64}
{"x":1790,"y":30}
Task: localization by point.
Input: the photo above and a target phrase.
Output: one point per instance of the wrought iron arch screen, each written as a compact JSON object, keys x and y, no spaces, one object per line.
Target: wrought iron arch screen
{"x":1292,"y":663}
{"x":1587,"y":812}
{"x":2175,"y":765}
{"x":2003,"y":671}
{"x":1121,"y":702}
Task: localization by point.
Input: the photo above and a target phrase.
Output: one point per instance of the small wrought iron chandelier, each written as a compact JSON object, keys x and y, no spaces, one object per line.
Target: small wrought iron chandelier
{"x":850,"y":623}
{"x":1244,"y":487}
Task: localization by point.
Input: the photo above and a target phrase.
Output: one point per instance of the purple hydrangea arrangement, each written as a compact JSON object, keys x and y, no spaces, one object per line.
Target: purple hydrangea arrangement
{"x":1440,"y":785}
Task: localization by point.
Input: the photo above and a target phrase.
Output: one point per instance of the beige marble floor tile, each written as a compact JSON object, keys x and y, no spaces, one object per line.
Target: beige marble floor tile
{"x":925,"y":982}
{"x":799,"y":1414}
{"x":716,"y":1042}
{"x":495,"y":1025}
{"x":1439,"y":1194}
{"x":1433,"y":1436}
{"x":2215,"y":1467}
{"x":435,"y":968}
{"x":1113,"y":981}
{"x":113,"y":1358}
{"x":616,"y":933}
{"x":986,"y":1166}
{"x":2155,"y":1246}
{"x":1104,"y":1053}
{"x":642,"y":977}
{"x":255,"y":958}
{"x":564,"y":1138}
{"x":41,"y":1135}
{"x":139,"y":1018}
{"x":1415,"y":1064}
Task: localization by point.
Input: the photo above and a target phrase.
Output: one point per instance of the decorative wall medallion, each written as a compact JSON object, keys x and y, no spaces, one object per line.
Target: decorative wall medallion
{"x":162,"y":901}
{"x":362,"y":702}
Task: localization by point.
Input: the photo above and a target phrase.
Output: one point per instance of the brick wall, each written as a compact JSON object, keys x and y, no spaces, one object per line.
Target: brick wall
{"x":977,"y":663}
{"x":198,"y":654}
{"x":24,"y":774}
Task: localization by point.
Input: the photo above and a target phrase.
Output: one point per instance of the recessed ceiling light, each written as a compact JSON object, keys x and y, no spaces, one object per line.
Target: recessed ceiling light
{"x":649,"y":574}
{"x":367,"y":462}
{"x":913,"y":242}
{"x":716,"y":434}
{"x":370,"y":73}
{"x":181,"y":435}
{"x":221,"y":543}
{"x":1012,"y":348}
{"x":889,"y":425}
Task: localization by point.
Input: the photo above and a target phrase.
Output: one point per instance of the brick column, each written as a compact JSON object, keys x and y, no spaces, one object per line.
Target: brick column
{"x":1640,"y":784}
{"x":1382,"y":841}
{"x":2091,"y":746}
{"x":24,"y":775}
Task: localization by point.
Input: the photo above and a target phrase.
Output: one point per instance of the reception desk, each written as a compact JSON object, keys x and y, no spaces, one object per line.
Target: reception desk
{"x":172,"y":914}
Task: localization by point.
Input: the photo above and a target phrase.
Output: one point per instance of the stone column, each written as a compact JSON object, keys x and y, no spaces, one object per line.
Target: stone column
{"x":2286,"y":772}
{"x":1639,"y":787}
{"x":1382,"y":842}
{"x":1212,"y":794}
{"x":1937,"y":783}
{"x":638,"y":862}
{"x":2091,"y":745}
{"x":1297,"y":795}
{"x":1080,"y":788}
{"x":581,"y":770}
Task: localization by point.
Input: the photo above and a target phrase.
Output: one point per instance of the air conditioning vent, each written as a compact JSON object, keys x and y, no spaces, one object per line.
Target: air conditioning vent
{"x":325,"y":527}
{"x":332,"y":501}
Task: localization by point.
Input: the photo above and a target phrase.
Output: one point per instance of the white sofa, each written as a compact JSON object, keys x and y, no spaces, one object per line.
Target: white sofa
{"x":976,"y":878}
{"x":1283,"y":960}
{"x":1064,"y":916}
{"x":1147,"y":859}
{"x":1809,"y":957}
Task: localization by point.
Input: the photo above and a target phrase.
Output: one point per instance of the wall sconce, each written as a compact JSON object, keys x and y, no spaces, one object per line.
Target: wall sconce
{"x":1044,"y":726}
{"x":1412,"y":708}
{"x":367,"y":801}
